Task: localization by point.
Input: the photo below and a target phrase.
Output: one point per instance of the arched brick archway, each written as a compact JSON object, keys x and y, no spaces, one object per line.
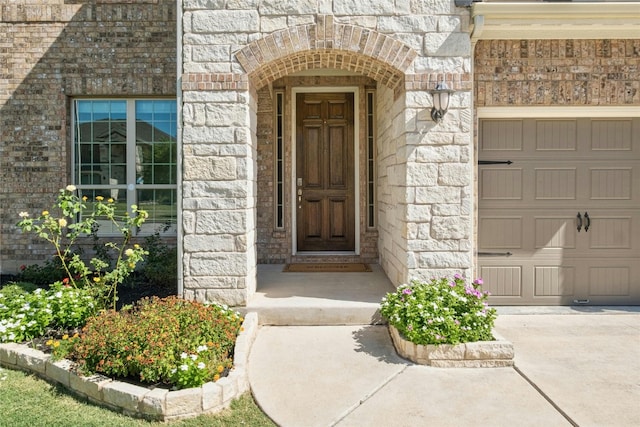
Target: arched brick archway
{"x":326,"y":44}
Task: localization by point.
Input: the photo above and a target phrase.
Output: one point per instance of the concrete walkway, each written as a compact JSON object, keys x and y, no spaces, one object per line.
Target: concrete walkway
{"x":571,"y":369}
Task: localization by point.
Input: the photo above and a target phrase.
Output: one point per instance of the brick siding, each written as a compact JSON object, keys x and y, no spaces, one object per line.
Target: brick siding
{"x":557,"y":72}
{"x":51,"y":52}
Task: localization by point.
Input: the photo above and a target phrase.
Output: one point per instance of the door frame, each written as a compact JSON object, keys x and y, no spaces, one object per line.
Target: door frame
{"x":356,"y":167}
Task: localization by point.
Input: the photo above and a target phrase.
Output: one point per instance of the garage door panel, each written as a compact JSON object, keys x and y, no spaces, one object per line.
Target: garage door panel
{"x":501,"y":232}
{"x":555,"y":232}
{"x":611,"y":135}
{"x":610,"y":232}
{"x":556,"y":183}
{"x":556,"y":135}
{"x":533,"y":248}
{"x":611,"y":183}
{"x":501,"y":184}
{"x":554,"y":280}
{"x":502,"y":280}
{"x":609,"y":281}
{"x":505,"y":135}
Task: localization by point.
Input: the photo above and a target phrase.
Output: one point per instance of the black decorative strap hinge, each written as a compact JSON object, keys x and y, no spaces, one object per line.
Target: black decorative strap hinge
{"x":494,"y":162}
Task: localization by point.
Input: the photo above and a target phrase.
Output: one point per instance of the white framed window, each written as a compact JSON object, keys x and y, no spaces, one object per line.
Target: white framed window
{"x":125,"y":150}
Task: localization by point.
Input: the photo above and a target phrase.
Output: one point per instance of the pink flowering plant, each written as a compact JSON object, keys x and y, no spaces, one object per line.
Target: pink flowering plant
{"x":442,"y":311}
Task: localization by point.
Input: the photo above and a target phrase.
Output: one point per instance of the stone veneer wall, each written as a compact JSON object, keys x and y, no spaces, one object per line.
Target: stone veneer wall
{"x":232,"y":50}
{"x":50,"y":52}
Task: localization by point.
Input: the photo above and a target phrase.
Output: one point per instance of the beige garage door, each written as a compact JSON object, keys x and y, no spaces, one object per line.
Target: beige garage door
{"x":560,"y":224}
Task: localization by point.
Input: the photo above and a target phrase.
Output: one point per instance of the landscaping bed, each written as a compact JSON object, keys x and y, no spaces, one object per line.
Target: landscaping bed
{"x":149,"y":402}
{"x":110,"y":328}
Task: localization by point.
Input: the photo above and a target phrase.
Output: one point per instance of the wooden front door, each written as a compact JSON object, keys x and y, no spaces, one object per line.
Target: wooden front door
{"x":325,"y":202}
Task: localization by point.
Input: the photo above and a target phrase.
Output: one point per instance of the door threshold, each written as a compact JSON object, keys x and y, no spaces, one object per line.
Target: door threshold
{"x":325,"y":253}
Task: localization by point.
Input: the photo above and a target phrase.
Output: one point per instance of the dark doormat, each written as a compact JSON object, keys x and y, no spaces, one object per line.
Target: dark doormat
{"x":327,"y":268}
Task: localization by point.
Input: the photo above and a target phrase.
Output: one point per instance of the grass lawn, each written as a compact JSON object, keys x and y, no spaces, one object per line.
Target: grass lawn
{"x":26,"y":400}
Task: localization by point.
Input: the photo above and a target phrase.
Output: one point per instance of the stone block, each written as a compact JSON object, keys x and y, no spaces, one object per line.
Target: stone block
{"x":471,"y":363}
{"x":489,"y":350}
{"x":226,"y":114}
{"x":271,"y":24}
{"x":123,"y":395}
{"x":32,"y":360}
{"x":216,"y":189}
{"x":184,"y":402}
{"x":225,"y":21}
{"x":438,"y":153}
{"x":419,"y":213}
{"x":9,"y":353}
{"x":422,"y":174}
{"x":454,"y":174}
{"x":229,"y":387}
{"x":444,"y":259}
{"x":239,"y":375}
{"x":231,"y":297}
{"x":211,"y":396}
{"x":154,"y":403}
{"x":200,"y":243}
{"x":215,"y":222}
{"x":212,"y":282}
{"x":407,"y":24}
{"x":447,"y":45}
{"x":445,"y":209}
{"x":198,"y":134}
{"x":218,"y":264}
{"x":219,"y":53}
{"x":210,"y":168}
{"x":449,"y":228}
{"x":59,"y":371}
{"x":287,"y":7}
{"x":90,"y":386}
{"x":437,"y":194}
{"x":446,"y":352}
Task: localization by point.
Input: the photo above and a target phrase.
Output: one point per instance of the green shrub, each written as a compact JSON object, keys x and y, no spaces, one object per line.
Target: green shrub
{"x":152,"y":342}
{"x":160,"y":266}
{"x":42,"y":275}
{"x":440,"y":312}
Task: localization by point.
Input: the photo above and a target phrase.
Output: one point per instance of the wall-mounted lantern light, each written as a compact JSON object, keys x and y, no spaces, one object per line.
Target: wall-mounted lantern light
{"x":441,"y":96}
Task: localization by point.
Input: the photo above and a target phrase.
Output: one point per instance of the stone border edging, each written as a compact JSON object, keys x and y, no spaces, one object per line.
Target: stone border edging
{"x":158,"y":404}
{"x":479,"y":354}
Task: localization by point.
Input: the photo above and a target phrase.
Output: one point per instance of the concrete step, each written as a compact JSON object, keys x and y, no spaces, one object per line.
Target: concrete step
{"x":309,"y":299}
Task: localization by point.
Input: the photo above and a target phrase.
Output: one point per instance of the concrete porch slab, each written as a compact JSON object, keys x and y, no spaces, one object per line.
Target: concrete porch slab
{"x":307,"y":299}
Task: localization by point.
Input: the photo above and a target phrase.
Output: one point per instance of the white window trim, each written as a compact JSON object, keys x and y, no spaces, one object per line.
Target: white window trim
{"x":556,"y":112}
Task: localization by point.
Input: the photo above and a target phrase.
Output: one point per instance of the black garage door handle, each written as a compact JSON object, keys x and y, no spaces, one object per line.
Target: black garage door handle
{"x":579,"y":222}
{"x":588,"y":224}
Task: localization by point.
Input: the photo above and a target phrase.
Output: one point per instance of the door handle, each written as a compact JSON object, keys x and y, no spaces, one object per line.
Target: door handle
{"x":588,"y":224}
{"x":579,"y":222}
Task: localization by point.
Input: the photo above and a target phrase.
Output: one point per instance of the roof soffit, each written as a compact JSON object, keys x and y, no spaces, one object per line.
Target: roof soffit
{"x":620,"y":20}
